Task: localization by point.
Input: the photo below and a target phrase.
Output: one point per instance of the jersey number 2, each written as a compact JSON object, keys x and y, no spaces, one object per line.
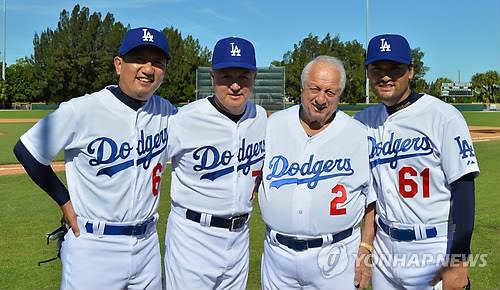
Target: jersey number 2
{"x":408,"y":187}
{"x":334,"y":210}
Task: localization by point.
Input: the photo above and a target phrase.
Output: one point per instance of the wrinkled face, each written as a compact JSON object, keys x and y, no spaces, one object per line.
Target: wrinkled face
{"x":141,"y":71}
{"x":321,"y":93}
{"x":232,"y":88}
{"x":390,"y":80}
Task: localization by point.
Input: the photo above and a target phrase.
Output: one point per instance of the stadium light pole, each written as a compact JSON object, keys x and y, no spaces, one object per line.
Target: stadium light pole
{"x":367,"y":86}
{"x":4,"y":38}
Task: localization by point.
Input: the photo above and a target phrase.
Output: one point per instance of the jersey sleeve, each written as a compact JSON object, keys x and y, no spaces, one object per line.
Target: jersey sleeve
{"x":51,"y":134}
{"x":371,"y":194}
{"x":174,"y":144}
{"x":369,"y":190}
{"x":457,"y":151}
{"x":359,"y":117}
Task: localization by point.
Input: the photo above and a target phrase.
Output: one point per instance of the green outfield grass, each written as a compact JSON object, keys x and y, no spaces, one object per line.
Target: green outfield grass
{"x":10,"y":132}
{"x":9,"y":135}
{"x":482,"y":118}
{"x":476,"y":118}
{"x":29,"y":213}
{"x":20,"y":114}
{"x":486,"y":238}
{"x":472,"y":118}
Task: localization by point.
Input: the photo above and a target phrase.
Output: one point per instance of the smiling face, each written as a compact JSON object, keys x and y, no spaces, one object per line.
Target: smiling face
{"x":141,"y":72}
{"x":320,"y":94}
{"x":232,"y":88}
{"x":390,"y":81}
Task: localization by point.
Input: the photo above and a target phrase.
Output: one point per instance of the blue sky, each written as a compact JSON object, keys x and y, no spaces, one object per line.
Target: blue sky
{"x":459,"y":38}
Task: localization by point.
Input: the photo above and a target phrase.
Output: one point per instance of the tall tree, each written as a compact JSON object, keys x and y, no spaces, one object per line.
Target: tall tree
{"x":186,"y":55}
{"x":487,"y":86}
{"x":421,"y":85}
{"x":351,"y":53}
{"x":353,"y":58}
{"x":435,"y":87}
{"x":418,"y":83}
{"x":419,"y":68}
{"x":19,"y":82}
{"x":76,"y":57}
{"x":295,"y":60}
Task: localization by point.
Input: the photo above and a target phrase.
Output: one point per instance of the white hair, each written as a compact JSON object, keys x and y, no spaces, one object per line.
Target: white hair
{"x":329,"y":59}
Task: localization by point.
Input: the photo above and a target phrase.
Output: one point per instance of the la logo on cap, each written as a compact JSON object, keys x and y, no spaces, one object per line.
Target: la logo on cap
{"x":146,"y":36}
{"x":384,"y":46}
{"x":235,"y":51}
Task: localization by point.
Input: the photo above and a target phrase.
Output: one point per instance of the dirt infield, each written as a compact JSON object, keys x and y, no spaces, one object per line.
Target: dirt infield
{"x":478,"y":134}
{"x":13,"y":120}
{"x":12,"y":169}
{"x":483,"y":133}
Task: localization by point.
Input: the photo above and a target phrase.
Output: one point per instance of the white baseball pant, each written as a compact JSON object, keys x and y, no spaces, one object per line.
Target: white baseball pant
{"x":98,"y":261}
{"x":408,"y":265}
{"x":203,"y":257}
{"x":328,"y":267}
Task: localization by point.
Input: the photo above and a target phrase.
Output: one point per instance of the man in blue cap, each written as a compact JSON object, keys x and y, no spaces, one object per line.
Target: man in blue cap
{"x":113,"y":142}
{"x":217,"y":154}
{"x":424,"y":165}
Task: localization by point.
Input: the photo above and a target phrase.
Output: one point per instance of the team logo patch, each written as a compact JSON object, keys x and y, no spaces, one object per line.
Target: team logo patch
{"x":465,"y":150}
{"x":384,"y":46}
{"x":284,"y":172}
{"x":235,"y":51}
{"x":219,"y":163}
{"x":396,"y":149}
{"x":146,"y":36}
{"x":105,"y":151}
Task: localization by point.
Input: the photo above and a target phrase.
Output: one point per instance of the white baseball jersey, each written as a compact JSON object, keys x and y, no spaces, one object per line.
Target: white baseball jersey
{"x":415,"y":154}
{"x":113,"y":154}
{"x":314,"y":185}
{"x":215,"y":161}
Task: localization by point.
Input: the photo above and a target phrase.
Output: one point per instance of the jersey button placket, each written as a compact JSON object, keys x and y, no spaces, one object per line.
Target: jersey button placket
{"x":135,"y":172}
{"x":234,"y":161}
{"x":390,"y":193}
{"x":302,"y":198}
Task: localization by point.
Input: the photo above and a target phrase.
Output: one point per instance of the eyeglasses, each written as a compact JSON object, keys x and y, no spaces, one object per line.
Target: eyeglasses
{"x":329,"y":92}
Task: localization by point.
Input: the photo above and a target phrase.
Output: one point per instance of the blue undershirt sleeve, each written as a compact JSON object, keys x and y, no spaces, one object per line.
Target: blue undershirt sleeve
{"x":462,"y":215}
{"x":42,"y":175}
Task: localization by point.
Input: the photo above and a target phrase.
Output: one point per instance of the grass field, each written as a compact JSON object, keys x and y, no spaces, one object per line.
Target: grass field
{"x":10,"y":133}
{"x":28,"y":214}
{"x":18,"y":114}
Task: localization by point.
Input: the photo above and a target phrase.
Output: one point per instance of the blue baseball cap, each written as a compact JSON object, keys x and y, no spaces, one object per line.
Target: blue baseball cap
{"x":392,"y":47}
{"x":144,"y":36}
{"x":234,"y":52}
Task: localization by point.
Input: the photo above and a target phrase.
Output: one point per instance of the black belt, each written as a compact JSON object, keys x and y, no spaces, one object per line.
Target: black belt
{"x":127,"y":230}
{"x":404,"y":234}
{"x":299,"y":244}
{"x":232,"y":223}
